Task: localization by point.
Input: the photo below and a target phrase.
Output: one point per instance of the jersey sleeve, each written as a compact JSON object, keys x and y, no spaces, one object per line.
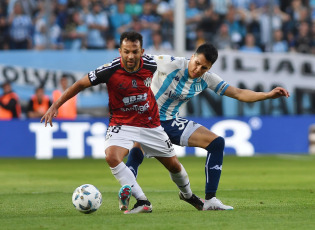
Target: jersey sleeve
{"x":100,"y":75}
{"x":165,"y":63}
{"x":216,"y":83}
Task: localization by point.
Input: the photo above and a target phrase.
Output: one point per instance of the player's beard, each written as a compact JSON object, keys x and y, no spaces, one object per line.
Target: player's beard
{"x":131,"y":67}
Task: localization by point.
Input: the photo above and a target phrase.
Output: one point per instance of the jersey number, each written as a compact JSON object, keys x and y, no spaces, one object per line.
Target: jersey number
{"x":180,"y":123}
{"x":169,"y":143}
{"x":112,"y":129}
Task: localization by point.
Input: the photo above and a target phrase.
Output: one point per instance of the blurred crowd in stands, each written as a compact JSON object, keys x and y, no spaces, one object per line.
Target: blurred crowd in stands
{"x":11,"y":106}
{"x":246,"y":25}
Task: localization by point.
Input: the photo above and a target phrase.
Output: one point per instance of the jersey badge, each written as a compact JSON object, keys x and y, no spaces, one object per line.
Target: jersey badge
{"x":172,"y":58}
{"x":176,"y":78}
{"x":134,"y":84}
{"x":147,"y":82}
{"x":121,"y":86}
{"x":198,"y":87}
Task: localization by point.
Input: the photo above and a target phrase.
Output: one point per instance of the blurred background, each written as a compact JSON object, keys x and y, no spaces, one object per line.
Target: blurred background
{"x":45,"y":46}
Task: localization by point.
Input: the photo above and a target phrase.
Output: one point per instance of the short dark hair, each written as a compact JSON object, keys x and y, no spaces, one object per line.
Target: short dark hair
{"x":39,"y":88}
{"x":131,"y":36}
{"x":5,"y":84}
{"x":209,"y":51}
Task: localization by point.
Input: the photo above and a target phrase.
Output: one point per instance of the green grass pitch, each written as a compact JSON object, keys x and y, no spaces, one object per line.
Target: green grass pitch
{"x":267,"y":192}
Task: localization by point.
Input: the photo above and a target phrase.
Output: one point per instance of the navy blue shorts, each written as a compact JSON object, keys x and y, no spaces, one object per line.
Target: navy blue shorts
{"x":179,"y":130}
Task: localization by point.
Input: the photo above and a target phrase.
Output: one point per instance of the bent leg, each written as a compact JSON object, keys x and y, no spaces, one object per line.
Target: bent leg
{"x":214,"y":144}
{"x":202,"y":137}
{"x":178,"y":174}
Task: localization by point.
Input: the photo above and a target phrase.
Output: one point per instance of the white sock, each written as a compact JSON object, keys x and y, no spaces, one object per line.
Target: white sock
{"x":124,"y":175}
{"x":182,"y":181}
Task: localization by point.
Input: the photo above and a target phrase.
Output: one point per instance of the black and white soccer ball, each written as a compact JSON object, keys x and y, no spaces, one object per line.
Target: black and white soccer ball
{"x":87,"y":198}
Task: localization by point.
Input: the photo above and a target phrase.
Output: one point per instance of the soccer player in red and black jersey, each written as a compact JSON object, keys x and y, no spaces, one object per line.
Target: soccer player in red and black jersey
{"x":131,"y":101}
{"x":134,"y":118}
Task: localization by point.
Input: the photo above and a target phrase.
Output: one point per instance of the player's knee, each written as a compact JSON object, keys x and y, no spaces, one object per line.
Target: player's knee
{"x":137,"y":145}
{"x":220,"y":142}
{"x":175,"y":167}
{"x":112,"y":160}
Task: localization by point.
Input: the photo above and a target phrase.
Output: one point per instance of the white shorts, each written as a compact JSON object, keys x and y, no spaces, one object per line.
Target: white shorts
{"x":154,"y":141}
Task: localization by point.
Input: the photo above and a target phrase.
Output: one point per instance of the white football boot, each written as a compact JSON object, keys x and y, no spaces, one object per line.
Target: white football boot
{"x":215,"y":204}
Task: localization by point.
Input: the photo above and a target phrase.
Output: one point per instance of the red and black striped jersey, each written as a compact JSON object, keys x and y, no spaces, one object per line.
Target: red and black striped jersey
{"x":131,"y":101}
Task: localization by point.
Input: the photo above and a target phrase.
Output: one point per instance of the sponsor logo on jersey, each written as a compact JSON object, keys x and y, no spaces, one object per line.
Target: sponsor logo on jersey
{"x":176,"y":78}
{"x":134,"y":83}
{"x":139,"y":108}
{"x":176,"y":96}
{"x":135,"y":98}
{"x":147,"y":82}
{"x":92,"y":76}
{"x":172,"y":58}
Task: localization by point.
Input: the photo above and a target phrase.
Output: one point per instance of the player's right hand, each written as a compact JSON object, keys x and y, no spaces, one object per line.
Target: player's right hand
{"x":49,"y":115}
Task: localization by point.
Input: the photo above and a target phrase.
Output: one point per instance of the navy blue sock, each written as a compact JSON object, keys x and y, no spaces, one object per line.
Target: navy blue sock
{"x":213,"y":166}
{"x":135,"y":158}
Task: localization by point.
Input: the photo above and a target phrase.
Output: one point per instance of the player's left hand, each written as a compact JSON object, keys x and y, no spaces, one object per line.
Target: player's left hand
{"x":278,"y":92}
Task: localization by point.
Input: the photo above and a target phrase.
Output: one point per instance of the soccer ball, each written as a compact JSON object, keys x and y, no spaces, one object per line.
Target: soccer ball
{"x":87,"y":198}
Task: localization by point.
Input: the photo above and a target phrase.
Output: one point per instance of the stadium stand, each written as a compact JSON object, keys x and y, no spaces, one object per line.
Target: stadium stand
{"x":70,"y":26}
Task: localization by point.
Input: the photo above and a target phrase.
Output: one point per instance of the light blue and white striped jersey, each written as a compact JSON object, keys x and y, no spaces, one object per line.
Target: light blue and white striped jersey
{"x":172,"y":86}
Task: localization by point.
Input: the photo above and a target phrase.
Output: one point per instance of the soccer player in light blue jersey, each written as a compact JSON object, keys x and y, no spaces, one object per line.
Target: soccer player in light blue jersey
{"x":175,"y":82}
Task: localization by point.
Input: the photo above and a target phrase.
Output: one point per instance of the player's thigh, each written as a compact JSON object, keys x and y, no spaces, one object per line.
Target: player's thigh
{"x":137,"y":145}
{"x":201,"y":137}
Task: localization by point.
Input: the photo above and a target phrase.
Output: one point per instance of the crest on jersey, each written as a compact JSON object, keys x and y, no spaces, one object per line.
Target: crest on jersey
{"x":134,"y":83}
{"x":198,"y":87}
{"x":147,"y":82}
{"x":121,"y":86}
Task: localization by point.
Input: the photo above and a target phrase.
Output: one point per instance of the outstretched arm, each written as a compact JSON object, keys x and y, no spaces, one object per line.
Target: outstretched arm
{"x":73,"y":90}
{"x":247,"y":95}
